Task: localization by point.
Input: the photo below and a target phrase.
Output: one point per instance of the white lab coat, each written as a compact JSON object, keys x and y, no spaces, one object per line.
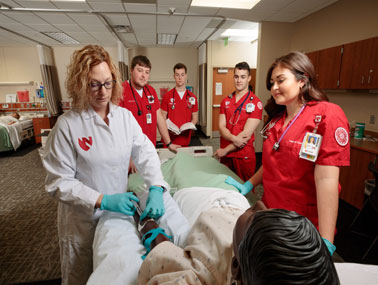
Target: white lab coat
{"x":77,"y":172}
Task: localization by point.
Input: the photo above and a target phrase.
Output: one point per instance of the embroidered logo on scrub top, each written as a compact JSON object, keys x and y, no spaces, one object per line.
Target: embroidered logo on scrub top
{"x":151,"y":99}
{"x":341,"y":136}
{"x":85,"y":143}
{"x":227,"y":103}
{"x":259,"y":105}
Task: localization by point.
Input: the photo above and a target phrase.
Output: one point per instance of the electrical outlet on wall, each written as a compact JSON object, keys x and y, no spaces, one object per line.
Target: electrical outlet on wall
{"x":372,"y":119}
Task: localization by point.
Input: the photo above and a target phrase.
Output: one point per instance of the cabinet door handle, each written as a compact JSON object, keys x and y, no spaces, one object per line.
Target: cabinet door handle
{"x":362,"y":79}
{"x":368,"y":79}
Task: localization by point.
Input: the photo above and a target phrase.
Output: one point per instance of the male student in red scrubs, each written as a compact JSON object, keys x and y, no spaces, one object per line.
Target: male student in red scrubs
{"x":240,"y":114}
{"x":141,"y":99}
{"x":180,"y":106}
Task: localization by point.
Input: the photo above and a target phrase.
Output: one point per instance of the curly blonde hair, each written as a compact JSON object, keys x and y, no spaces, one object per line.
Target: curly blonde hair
{"x":77,"y":79}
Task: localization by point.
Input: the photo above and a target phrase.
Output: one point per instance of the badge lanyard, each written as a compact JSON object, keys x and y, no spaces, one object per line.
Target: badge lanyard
{"x":277,"y":143}
{"x":238,"y":109}
{"x":136,"y":102}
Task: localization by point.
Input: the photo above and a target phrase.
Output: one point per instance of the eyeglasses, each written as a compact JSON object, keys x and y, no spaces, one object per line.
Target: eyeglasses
{"x":95,"y":86}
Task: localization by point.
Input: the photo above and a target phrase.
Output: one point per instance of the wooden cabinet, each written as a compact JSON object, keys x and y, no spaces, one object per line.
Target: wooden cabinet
{"x":42,"y":123}
{"x":327,"y":64}
{"x":352,"y":178}
{"x":359,"y":67}
{"x":349,"y":66}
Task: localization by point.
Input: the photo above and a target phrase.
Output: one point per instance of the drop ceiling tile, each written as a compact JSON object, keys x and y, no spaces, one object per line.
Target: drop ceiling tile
{"x":130,"y":7}
{"x":204,"y":34}
{"x":79,"y":36}
{"x":178,"y":8}
{"x":203,"y":10}
{"x":17,"y":27}
{"x":10,"y":3}
{"x":69,"y":28}
{"x":104,"y":1}
{"x":128,"y":38}
{"x":44,"y":28}
{"x":25,"y":17}
{"x":191,"y":28}
{"x":169,"y":24}
{"x":143,"y":23}
{"x":5,"y":19}
{"x":72,"y":5}
{"x":95,"y":29}
{"x":36,"y":4}
{"x":86,"y":19}
{"x":117,"y":19}
{"x":107,"y":7}
{"x":56,"y":18}
{"x":174,"y":2}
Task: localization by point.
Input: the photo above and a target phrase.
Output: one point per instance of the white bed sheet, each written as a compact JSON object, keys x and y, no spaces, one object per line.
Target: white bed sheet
{"x":357,"y":274}
{"x":14,"y":132}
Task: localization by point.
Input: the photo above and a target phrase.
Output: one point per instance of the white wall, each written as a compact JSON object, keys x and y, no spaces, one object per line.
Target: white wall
{"x":19,"y":64}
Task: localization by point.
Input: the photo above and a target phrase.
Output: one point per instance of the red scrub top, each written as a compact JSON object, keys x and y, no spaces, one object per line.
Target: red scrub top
{"x":289,"y":180}
{"x":181,"y":114}
{"x":235,"y":124}
{"x":148,"y":103}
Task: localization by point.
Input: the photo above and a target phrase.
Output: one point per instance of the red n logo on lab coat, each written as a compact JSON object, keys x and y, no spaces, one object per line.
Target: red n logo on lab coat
{"x":85,"y":143}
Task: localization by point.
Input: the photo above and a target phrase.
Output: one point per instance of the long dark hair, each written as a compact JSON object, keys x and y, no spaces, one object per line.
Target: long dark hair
{"x":282,"y":247}
{"x":300,"y":65}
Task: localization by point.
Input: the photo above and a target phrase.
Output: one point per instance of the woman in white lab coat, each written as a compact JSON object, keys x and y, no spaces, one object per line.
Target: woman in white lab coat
{"x":86,"y":158}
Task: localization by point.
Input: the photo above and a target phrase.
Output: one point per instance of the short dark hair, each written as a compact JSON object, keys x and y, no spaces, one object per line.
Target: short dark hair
{"x":282,"y":247}
{"x":179,"y":66}
{"x":244,"y":66}
{"x":141,"y":60}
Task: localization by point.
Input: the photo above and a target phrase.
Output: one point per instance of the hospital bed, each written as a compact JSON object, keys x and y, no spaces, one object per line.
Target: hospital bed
{"x":11,"y":136}
{"x":196,"y":183}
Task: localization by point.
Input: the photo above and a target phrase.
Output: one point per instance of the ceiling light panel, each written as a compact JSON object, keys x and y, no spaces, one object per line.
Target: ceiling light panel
{"x":231,"y":4}
{"x":166,"y":39}
{"x":62,"y":38}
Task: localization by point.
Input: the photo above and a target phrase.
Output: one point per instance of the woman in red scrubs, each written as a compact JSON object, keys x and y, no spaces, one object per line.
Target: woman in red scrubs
{"x":298,"y":175}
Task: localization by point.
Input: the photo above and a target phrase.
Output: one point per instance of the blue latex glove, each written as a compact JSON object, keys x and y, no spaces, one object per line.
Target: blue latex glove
{"x":331,"y":247}
{"x":243,"y":188}
{"x":155,"y":204}
{"x":120,"y":203}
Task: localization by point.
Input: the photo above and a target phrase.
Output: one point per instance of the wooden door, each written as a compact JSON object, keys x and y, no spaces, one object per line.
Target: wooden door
{"x":328,"y":67}
{"x":225,"y":82}
{"x":223,"y":85}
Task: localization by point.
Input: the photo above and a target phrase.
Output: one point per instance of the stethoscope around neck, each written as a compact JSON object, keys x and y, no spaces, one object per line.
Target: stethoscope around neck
{"x":149,"y":107}
{"x":189,"y":105}
{"x":239,"y":108}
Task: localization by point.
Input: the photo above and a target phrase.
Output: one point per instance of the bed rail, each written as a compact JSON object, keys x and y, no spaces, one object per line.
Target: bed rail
{"x":196,"y":151}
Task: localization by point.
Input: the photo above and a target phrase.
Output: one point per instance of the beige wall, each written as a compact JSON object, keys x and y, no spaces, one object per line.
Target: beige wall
{"x":163,"y":60}
{"x":19,"y":64}
{"x":219,"y":55}
{"x":343,"y":22}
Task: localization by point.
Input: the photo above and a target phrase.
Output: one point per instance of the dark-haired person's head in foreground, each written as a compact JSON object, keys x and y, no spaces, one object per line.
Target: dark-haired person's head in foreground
{"x":277,"y":246}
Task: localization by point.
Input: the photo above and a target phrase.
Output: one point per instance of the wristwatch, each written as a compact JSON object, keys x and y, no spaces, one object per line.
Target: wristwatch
{"x":168,"y":144}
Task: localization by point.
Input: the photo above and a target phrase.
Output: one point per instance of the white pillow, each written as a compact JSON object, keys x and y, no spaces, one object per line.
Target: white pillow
{"x":24,"y":117}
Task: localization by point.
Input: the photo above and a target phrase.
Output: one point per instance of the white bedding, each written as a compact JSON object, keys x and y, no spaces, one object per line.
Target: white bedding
{"x":192,"y":201}
{"x":15,"y":130}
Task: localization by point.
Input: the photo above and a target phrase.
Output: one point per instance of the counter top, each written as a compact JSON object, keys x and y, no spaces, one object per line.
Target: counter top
{"x":364,"y":145}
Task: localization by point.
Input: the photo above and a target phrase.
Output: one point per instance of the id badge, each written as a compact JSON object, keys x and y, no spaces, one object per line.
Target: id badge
{"x":310,"y":146}
{"x":149,"y":118}
{"x":250,"y":107}
{"x":192,"y":100}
